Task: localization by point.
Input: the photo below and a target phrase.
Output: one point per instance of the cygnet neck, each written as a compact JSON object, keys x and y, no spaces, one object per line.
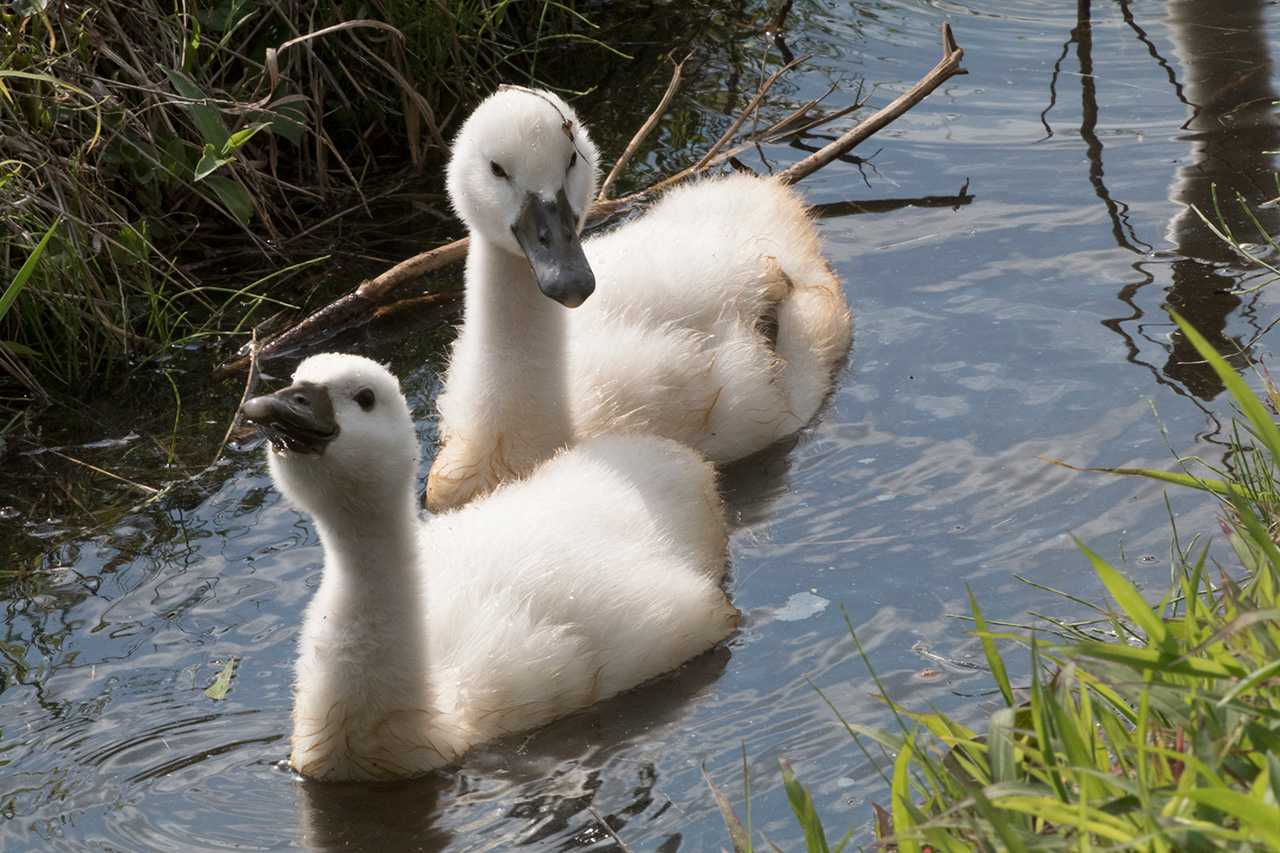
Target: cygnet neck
{"x":520,"y":341}
{"x":375,"y":542}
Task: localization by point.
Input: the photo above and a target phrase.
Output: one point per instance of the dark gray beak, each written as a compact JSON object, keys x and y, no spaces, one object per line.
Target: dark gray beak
{"x":548,"y":233}
{"x":298,"y":418}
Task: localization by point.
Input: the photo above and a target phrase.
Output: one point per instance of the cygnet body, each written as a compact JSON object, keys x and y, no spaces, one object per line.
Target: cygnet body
{"x":712,"y":319}
{"x":598,"y":572}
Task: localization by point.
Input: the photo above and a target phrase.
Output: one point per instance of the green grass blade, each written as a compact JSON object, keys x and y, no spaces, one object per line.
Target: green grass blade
{"x":994,"y":660}
{"x":1204,"y":484}
{"x":25,"y":272}
{"x":1253,"y":408}
{"x":1254,"y":678}
{"x":1127,"y":596}
{"x":903,"y":823}
{"x":999,"y":820}
{"x":1065,"y":814}
{"x":1040,"y":722}
{"x":1258,"y":817}
{"x":815,"y":838}
{"x":1155,"y":660}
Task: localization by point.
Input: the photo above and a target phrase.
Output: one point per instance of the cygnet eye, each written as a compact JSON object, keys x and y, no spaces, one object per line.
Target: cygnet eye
{"x":573,"y":158}
{"x":365,"y":399}
{"x":498,"y":171}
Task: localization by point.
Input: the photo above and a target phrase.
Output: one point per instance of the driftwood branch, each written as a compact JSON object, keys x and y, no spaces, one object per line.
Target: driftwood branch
{"x":947,"y":67}
{"x":362,"y":304}
{"x":645,"y":129}
{"x":751,"y":108}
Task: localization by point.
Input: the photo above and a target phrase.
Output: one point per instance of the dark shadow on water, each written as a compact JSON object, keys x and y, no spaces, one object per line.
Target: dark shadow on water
{"x":1227,"y":74}
{"x":1226,"y":87}
{"x":390,"y":817}
{"x":560,"y":768}
{"x":555,"y":774}
{"x":752,"y":484}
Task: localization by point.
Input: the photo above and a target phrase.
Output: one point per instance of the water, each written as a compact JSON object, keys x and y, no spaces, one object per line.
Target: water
{"x":1021,"y":324}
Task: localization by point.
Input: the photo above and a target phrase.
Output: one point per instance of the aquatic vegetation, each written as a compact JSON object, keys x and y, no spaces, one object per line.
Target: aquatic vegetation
{"x":1156,"y":727}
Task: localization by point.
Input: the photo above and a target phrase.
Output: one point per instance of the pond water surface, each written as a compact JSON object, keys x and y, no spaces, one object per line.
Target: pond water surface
{"x":1020,"y":321}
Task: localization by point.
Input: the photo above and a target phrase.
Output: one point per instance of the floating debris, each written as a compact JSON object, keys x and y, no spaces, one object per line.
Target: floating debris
{"x":222,"y":684}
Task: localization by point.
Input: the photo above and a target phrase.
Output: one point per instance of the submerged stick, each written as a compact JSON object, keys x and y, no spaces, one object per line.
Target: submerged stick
{"x":361,"y":304}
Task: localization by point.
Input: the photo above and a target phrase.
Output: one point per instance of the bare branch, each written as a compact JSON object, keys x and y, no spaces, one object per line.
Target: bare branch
{"x":742,"y":116}
{"x":645,"y":129}
{"x":947,"y":67}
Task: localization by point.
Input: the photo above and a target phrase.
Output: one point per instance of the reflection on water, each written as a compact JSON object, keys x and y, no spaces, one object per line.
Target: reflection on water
{"x":1228,"y":79}
{"x":988,"y":338}
{"x":1226,"y":88}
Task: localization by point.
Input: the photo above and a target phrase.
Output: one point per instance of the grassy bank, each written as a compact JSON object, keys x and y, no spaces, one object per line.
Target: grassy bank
{"x":142,"y":139}
{"x":1151,"y":727}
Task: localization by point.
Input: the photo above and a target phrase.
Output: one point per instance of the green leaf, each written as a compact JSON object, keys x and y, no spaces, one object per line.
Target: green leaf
{"x":1254,"y":410}
{"x":1255,"y":678}
{"x":1064,"y":814}
{"x":28,"y":267}
{"x":1127,"y":596}
{"x":1205,"y":484}
{"x":802,"y":804}
{"x":207,"y":119}
{"x":217,"y":691}
{"x":235,"y":197}
{"x":240,"y":137}
{"x":903,"y":822}
{"x":19,"y":349}
{"x":994,"y":661}
{"x":210,"y":162}
{"x":1257,"y":816}
{"x":1155,"y":660}
{"x":288,"y":121}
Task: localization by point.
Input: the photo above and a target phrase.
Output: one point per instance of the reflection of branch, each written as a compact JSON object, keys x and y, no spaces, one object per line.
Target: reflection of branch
{"x":1155,"y":54}
{"x":884,"y":205}
{"x":360,"y":304}
{"x":1117,"y":211}
{"x":1053,"y":88}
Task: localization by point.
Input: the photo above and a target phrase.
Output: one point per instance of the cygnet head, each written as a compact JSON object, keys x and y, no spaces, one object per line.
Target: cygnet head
{"x":342,"y":442}
{"x":522,"y":176}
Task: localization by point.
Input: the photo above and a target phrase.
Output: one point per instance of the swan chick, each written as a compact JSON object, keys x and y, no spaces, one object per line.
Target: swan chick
{"x":712,"y":319}
{"x":599,"y":571}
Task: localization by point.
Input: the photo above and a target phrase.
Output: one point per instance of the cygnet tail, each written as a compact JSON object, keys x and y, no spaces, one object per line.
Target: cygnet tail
{"x":815,"y":331}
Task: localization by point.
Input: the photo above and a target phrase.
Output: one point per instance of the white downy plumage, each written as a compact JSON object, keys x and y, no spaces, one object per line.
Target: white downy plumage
{"x":716,"y":321}
{"x":600,"y":571}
